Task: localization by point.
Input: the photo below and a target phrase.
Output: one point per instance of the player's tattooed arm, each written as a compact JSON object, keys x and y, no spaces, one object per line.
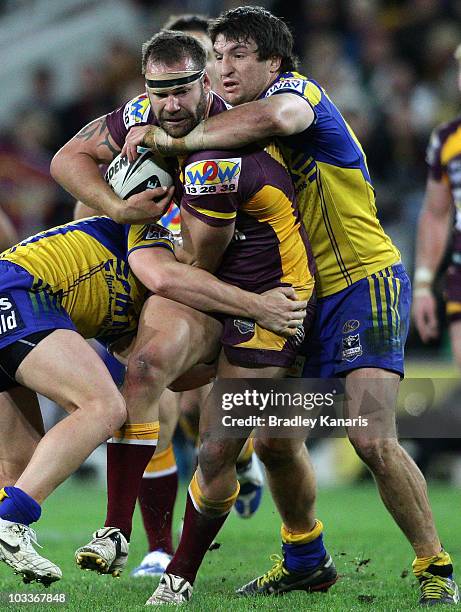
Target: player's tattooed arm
{"x":97,"y":133}
{"x":76,"y":167}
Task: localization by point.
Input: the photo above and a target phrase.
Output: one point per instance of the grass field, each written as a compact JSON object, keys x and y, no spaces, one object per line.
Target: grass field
{"x":371,"y":555}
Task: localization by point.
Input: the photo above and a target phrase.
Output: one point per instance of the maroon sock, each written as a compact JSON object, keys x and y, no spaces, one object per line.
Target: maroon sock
{"x":156,"y":499}
{"x":123,"y":484}
{"x":198,"y":533}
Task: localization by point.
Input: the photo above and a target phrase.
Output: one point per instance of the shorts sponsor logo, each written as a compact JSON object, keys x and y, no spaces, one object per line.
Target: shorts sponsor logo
{"x":212,"y":176}
{"x":136,"y":111}
{"x":244,"y":326}
{"x":289,"y":84}
{"x":350,"y":326}
{"x":352,"y":347}
{"x":10,"y":319}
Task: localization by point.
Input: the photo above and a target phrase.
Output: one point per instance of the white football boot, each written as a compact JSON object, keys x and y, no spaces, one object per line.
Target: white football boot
{"x":153,"y":564}
{"x":172,"y":590}
{"x":251,"y":481}
{"x":107,"y":553}
{"x":17,"y":551}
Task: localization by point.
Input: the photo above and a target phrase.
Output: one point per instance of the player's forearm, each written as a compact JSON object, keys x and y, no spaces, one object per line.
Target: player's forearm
{"x":79,"y":174}
{"x":201,"y":290}
{"x":233,"y":129}
{"x":431,"y":242}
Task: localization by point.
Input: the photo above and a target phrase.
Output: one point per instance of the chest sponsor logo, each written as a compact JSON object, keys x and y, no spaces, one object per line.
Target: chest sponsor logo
{"x":10,"y":319}
{"x":352,"y":347}
{"x":136,"y":111}
{"x":244,"y":326}
{"x":212,"y":176}
{"x":350,"y":326}
{"x":289,"y":84}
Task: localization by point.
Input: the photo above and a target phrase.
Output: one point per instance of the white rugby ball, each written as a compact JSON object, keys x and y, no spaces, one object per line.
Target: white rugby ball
{"x":146,"y":172}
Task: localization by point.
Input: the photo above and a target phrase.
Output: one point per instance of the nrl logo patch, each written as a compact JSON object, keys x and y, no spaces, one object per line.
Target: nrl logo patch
{"x":244,"y":326}
{"x":350,"y":326}
{"x":352,"y":347}
{"x":156,"y":232}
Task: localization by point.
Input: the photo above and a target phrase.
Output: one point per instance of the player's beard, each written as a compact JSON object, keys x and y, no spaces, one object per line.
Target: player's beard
{"x":189,"y":120}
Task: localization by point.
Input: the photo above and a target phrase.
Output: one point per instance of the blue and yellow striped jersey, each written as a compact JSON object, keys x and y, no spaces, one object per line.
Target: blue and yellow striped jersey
{"x":83,"y":268}
{"x":334,"y":191}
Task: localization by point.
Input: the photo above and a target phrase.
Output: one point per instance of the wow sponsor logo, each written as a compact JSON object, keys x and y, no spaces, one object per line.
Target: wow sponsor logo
{"x":136,"y":111}
{"x":212,"y":176}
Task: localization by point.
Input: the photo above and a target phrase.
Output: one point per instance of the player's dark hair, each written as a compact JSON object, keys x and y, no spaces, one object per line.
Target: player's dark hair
{"x":187,"y":23}
{"x":271,"y":35}
{"x":169,"y":46}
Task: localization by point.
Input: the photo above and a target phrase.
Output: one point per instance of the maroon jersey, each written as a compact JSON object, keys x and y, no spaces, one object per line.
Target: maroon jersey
{"x":251,"y":189}
{"x":444,"y":161}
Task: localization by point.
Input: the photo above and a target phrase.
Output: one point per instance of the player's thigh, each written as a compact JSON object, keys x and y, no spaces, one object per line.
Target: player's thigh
{"x":21,"y":425}
{"x":168,"y":417}
{"x":455,"y":338}
{"x":175,"y":335}
{"x":64,"y":368}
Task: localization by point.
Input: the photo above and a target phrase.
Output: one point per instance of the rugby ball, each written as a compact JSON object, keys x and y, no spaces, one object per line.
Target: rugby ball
{"x":147,"y":172}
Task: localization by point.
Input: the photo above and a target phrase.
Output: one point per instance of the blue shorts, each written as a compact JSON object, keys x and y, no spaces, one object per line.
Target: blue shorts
{"x":362,"y":326}
{"x":23,"y":311}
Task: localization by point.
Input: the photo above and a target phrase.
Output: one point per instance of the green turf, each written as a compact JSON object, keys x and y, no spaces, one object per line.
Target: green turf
{"x":371,"y":555}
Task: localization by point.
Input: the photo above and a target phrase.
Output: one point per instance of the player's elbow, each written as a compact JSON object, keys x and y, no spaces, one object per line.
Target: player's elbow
{"x":59,"y":163}
{"x":161,"y":282}
{"x":278,"y":119}
{"x":273,"y":119}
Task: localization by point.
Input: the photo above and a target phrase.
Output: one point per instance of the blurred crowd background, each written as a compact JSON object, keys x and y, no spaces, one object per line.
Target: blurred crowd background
{"x":388,"y":64}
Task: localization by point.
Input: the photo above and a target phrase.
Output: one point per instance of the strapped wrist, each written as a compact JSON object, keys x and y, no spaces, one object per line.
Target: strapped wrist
{"x":423,"y":276}
{"x":194,"y":141}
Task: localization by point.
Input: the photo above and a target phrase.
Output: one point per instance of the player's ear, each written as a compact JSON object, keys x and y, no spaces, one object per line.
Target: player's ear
{"x":275,"y":63}
{"x":206,"y":82}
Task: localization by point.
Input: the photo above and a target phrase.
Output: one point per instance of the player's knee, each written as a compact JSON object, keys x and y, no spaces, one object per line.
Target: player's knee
{"x":109,"y":412}
{"x":146,"y":370}
{"x":214,"y":457}
{"x":275,"y":452}
{"x":375,"y":453}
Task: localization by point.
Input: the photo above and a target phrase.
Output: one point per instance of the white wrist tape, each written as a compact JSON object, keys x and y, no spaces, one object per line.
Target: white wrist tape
{"x":423,"y":275}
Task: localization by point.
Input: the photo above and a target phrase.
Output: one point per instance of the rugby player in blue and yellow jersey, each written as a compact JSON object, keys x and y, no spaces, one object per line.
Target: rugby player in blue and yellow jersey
{"x":88,"y":279}
{"x":364,"y":292}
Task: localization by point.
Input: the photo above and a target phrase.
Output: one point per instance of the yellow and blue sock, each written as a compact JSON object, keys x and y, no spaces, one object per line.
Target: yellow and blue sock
{"x":18,"y":507}
{"x":303,"y":551}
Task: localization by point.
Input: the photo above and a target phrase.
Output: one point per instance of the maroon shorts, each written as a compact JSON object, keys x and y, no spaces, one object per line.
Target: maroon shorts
{"x":248,"y":345}
{"x":453,"y":293}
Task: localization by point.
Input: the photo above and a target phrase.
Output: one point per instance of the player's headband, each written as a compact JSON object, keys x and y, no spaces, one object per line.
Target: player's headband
{"x":161,"y":82}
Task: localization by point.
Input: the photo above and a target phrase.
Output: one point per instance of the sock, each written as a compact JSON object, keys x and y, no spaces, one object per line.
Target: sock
{"x":131,"y":447}
{"x":157,"y":496}
{"x":303,"y":551}
{"x":202,"y":521}
{"x":18,"y":507}
{"x":439,"y":565}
